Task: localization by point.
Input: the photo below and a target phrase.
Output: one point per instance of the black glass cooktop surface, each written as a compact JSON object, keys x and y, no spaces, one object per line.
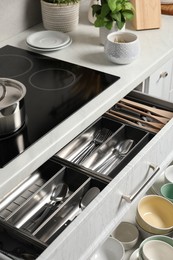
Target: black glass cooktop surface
{"x":55,"y":90}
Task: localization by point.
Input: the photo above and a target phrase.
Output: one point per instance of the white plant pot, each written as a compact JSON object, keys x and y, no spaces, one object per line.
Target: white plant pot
{"x":103,"y":32}
{"x":60,"y":17}
{"x":91,"y":18}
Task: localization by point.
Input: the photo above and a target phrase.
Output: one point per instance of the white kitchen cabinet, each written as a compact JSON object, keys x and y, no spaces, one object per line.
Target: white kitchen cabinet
{"x":159,"y":84}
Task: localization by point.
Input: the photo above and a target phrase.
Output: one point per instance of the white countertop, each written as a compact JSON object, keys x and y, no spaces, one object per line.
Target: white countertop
{"x":85,"y":50}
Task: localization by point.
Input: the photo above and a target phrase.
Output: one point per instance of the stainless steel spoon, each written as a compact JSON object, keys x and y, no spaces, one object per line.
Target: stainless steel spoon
{"x":122,"y":148}
{"x":53,"y":228}
{"x":58,"y":195}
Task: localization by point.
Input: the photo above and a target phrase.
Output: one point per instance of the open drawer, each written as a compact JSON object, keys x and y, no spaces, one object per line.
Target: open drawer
{"x":119,"y":189}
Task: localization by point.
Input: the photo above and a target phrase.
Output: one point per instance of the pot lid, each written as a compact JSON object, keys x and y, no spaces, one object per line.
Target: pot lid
{"x":11,"y":91}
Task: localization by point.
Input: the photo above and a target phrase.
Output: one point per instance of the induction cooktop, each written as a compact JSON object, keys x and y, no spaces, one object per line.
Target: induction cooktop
{"x":55,"y":90}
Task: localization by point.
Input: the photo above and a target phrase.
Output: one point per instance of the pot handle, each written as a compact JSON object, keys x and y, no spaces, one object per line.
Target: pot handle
{"x":3,"y":93}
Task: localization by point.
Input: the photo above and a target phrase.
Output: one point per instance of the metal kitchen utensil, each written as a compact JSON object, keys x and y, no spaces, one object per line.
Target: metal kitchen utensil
{"x":155,"y":111}
{"x":100,"y":136}
{"x":120,"y":150}
{"x":58,"y":194}
{"x":53,"y":228}
{"x":12,"y":109}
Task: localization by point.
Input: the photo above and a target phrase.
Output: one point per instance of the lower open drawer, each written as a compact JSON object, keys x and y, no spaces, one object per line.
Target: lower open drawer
{"x":133,"y":175}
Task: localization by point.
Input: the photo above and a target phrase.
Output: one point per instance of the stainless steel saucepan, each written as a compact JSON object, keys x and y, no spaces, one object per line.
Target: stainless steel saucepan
{"x":12,"y":109}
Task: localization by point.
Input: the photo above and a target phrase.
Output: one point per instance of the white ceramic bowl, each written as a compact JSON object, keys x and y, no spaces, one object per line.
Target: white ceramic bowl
{"x":165,"y":239}
{"x":157,"y":250}
{"x":127,"y":233}
{"x":169,"y":174}
{"x":154,"y":214}
{"x":122,"y":47}
{"x":112,"y":249}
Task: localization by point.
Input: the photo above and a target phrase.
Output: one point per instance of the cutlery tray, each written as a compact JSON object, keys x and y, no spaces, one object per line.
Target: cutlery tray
{"x":19,"y":213}
{"x":119,"y":132}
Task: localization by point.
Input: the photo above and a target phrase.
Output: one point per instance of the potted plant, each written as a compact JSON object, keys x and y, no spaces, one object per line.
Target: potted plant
{"x":111,"y":15}
{"x":60,"y":15}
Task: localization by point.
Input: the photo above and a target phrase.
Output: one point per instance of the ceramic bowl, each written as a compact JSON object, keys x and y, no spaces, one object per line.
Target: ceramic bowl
{"x":154,"y":214}
{"x":127,"y":233}
{"x":145,"y":234}
{"x":157,"y":249}
{"x":165,"y":239}
{"x":122,"y":47}
{"x":169,"y":174}
{"x":112,"y":249}
{"x":167,"y":191}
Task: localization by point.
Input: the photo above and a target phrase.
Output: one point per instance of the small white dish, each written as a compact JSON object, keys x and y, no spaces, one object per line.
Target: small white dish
{"x":112,"y":249}
{"x":48,"y":39}
{"x":169,"y":174}
{"x":135,"y":255}
{"x":157,"y":249}
{"x":166,"y":2}
{"x":127,"y":233}
{"x":50,"y":49}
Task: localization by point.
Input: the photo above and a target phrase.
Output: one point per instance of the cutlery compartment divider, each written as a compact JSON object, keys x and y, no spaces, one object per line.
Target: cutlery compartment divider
{"x":19,"y":238}
{"x":46,"y":173}
{"x":132,"y":153}
{"x":140,"y":138}
{"x":78,"y":184}
{"x":67,"y":213}
{"x":77,"y":145}
{"x":42,"y":196}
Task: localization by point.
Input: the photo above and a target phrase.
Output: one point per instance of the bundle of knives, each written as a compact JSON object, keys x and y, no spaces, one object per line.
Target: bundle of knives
{"x":146,"y":117}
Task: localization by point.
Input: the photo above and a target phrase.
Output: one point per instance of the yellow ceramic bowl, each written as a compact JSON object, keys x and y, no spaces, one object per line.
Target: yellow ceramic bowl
{"x":154,"y":214}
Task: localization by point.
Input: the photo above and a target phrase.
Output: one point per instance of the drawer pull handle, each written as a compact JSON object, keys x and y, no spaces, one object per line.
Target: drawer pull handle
{"x":130,"y":198}
{"x":163,"y":74}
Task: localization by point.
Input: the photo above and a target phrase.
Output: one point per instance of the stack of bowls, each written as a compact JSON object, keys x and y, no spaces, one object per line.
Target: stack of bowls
{"x":127,"y":233}
{"x":169,"y":174}
{"x":157,"y":247}
{"x":154,"y":216}
{"x":112,"y":249}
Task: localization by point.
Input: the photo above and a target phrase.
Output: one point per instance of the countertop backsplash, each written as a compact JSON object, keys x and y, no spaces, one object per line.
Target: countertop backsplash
{"x":18,"y":15}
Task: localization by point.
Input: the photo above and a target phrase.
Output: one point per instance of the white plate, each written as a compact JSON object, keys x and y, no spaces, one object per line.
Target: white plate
{"x":158,"y":184}
{"x":48,"y":39}
{"x":165,"y":2}
{"x":135,"y":255}
{"x":50,"y":49}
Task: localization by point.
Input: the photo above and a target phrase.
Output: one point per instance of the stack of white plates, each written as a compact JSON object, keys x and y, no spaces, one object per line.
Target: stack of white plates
{"x":48,"y":40}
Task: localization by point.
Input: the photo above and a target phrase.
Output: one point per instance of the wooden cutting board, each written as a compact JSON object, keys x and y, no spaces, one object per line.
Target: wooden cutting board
{"x":167,"y":9}
{"x":147,"y":14}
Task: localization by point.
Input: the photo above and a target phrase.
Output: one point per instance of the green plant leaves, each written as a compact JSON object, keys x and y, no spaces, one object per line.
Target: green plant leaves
{"x":110,"y":11}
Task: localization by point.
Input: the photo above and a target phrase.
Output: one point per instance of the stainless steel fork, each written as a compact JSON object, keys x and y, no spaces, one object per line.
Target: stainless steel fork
{"x":100,"y":136}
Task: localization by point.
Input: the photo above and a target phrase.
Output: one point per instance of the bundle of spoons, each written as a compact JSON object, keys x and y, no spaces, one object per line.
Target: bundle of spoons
{"x":58,"y":195}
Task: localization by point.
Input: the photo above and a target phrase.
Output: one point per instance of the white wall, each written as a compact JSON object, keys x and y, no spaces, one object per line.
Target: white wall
{"x":17,"y":15}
